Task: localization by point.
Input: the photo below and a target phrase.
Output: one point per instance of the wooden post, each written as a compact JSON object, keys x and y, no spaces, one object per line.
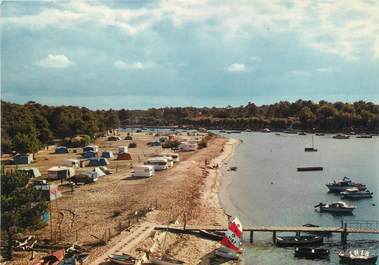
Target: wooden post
{"x":251,"y":236}
{"x":274,"y":237}
{"x":344,"y":235}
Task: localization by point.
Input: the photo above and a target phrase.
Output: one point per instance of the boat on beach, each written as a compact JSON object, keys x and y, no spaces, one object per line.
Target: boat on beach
{"x":122,"y":259}
{"x":355,"y":193}
{"x":311,"y":253}
{"x":343,"y":184}
{"x":54,"y":258}
{"x":289,"y":241}
{"x":357,"y":257}
{"x":336,"y":207}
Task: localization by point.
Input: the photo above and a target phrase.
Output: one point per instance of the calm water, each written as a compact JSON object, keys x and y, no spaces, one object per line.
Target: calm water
{"x":268,"y":190}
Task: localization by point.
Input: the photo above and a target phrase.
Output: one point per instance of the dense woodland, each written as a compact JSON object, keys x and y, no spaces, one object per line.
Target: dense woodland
{"x":29,"y":127}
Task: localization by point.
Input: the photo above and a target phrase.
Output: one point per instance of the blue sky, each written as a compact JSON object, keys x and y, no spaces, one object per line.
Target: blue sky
{"x":141,"y":54}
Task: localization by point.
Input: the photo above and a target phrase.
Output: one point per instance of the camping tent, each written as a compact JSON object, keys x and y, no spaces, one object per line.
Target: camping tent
{"x":60,"y":172}
{"x":122,"y":149}
{"x":89,"y":154}
{"x":107,"y":154}
{"x":71,"y":162}
{"x":97,"y":172}
{"x":61,"y":150}
{"x":97,"y":162}
{"x":32,"y":172}
{"x":124,"y":156}
{"x":22,"y":159}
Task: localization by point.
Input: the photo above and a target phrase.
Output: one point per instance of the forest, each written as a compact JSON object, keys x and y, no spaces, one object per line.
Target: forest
{"x":31,"y":126}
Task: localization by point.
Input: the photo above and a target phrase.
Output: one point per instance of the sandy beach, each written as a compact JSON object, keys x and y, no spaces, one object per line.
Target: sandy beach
{"x":110,"y":210}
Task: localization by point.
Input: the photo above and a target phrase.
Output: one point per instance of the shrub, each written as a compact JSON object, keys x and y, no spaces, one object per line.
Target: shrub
{"x":132,"y":145}
{"x":171,"y":144}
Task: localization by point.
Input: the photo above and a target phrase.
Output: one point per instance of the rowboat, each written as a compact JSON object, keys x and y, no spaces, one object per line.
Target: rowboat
{"x":122,"y":259}
{"x":231,"y":241}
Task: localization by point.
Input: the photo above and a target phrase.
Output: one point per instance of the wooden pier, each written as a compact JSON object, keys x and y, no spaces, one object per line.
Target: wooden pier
{"x":346,"y":228}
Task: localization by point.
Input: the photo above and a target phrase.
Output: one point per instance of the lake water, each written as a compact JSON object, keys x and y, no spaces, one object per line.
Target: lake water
{"x":267,"y":189}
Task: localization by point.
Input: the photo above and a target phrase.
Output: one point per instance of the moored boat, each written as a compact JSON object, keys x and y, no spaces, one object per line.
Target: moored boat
{"x":357,"y":257}
{"x":288,"y":241}
{"x":335,"y":207}
{"x":80,"y":258}
{"x":226,"y":253}
{"x":122,"y":259}
{"x":356,"y":193}
{"x":343,"y":184}
{"x":54,"y":258}
{"x":311,"y":253}
{"x":341,"y":136}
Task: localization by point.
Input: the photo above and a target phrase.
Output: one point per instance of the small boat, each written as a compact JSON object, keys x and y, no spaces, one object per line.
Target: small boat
{"x":324,"y":233}
{"x":356,"y":193}
{"x":216,"y":236}
{"x":310,"y":168}
{"x":310,"y":149}
{"x":357,"y":257}
{"x":122,"y":259}
{"x":320,"y":134}
{"x":80,"y":258}
{"x":302,"y":133}
{"x":287,"y":241}
{"x":226,"y":253}
{"x":164,"y":260}
{"x":232,"y":169}
{"x":364,"y":136}
{"x":231,"y":241}
{"x":343,"y":184}
{"x":335,"y":207}
{"x":341,"y":136}
{"x":311,"y":253}
{"x":266,"y":130}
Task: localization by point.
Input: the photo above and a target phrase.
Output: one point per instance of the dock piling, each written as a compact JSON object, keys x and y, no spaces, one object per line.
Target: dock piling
{"x":274,"y":237}
{"x":251,"y":236}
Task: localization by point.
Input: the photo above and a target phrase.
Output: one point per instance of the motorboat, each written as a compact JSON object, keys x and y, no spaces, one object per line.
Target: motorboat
{"x":364,"y":136}
{"x":341,"y":136}
{"x":311,"y":253}
{"x":356,"y":193}
{"x":335,"y":207}
{"x":357,"y":257}
{"x":343,"y":184}
{"x":288,"y":241}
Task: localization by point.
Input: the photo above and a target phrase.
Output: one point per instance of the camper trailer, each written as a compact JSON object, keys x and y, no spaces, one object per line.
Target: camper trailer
{"x":170,"y":160}
{"x":144,"y":171}
{"x":60,"y":172}
{"x":71,"y":163}
{"x":158,"y":163}
{"x":174,"y":156}
{"x":187,"y":147}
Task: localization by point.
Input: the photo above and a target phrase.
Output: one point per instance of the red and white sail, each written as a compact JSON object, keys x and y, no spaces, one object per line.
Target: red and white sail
{"x":233,"y":235}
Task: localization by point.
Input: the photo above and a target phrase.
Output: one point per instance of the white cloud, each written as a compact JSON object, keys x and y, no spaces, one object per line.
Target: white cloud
{"x":122,"y":65}
{"x":343,"y":28}
{"x":55,"y":61}
{"x":236,"y":67}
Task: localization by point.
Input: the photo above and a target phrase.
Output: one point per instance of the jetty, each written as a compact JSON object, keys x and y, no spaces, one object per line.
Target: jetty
{"x":346,"y":228}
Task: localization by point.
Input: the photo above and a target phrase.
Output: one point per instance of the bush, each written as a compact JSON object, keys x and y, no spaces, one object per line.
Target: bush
{"x":132,"y":145}
{"x":171,"y":144}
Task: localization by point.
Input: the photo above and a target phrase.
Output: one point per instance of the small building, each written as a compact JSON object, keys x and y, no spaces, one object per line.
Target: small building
{"x":97,"y":162}
{"x":60,"y":172}
{"x":124,"y":156}
{"x":49,"y":191}
{"x":107,"y":154}
{"x":32,"y":172}
{"x":61,"y":150}
{"x":71,"y":163}
{"x":21,"y":159}
{"x":89,"y":154}
{"x":122,"y":149}
{"x":144,"y":171}
{"x":93,"y":148}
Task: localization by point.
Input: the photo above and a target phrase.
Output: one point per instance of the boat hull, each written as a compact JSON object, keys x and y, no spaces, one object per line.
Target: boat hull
{"x":311,"y":253}
{"x":290,"y":241}
{"x":226,"y":254}
{"x":356,"y":196}
{"x":358,"y":261}
{"x":163,"y":262}
{"x":337,"y":210}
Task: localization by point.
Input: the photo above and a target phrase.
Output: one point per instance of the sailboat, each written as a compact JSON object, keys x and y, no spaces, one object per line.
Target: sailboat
{"x":311,"y":149}
{"x":231,"y":241}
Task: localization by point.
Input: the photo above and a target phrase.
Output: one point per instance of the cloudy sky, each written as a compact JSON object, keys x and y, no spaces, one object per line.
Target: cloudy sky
{"x":140,"y":54}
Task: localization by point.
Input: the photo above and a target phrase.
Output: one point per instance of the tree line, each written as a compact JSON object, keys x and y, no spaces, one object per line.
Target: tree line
{"x":29,"y":127}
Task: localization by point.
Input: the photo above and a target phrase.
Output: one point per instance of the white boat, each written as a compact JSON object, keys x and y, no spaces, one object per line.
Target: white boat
{"x":336,"y":207}
{"x":343,"y":184}
{"x":357,"y":257}
{"x":355,"y":193}
{"x":231,"y":241}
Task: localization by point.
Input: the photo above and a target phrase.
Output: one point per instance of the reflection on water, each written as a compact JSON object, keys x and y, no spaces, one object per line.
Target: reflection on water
{"x":267,"y":189}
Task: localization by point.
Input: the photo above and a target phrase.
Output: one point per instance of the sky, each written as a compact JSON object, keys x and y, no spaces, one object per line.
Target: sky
{"x":139,"y":54}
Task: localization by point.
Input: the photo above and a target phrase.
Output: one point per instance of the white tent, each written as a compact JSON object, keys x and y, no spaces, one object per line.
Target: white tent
{"x":60,"y":172}
{"x":33,"y":172}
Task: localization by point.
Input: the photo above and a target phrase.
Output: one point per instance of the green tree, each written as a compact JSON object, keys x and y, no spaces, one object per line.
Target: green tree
{"x":21,"y":205}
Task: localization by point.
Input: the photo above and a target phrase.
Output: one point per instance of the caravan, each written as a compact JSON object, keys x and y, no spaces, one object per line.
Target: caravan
{"x":174,"y":156}
{"x":144,"y":171}
{"x":60,"y":172}
{"x":158,"y":163}
{"x":170,"y":160}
